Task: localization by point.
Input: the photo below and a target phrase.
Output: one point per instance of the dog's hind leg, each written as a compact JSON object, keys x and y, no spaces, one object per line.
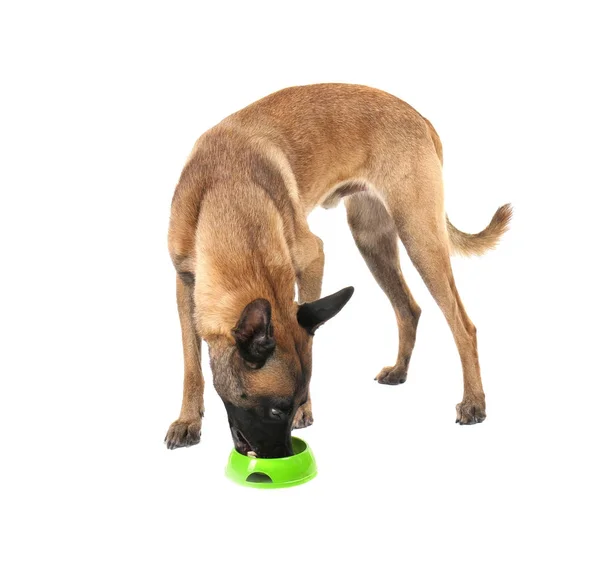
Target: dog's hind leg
{"x":185,"y":431}
{"x":377,"y":240}
{"x":417,"y":207}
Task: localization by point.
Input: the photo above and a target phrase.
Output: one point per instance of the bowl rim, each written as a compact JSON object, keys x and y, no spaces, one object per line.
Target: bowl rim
{"x":306,"y":450}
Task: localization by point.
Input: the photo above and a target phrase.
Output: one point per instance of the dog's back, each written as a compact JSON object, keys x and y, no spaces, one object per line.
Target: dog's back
{"x":349,"y":127}
{"x":331,"y":132}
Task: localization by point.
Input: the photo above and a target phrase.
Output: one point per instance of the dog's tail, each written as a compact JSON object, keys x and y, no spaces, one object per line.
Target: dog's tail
{"x":472,"y":244}
{"x":478,"y":244}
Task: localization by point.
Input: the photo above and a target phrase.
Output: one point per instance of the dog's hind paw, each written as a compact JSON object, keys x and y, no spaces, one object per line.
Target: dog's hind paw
{"x":392,"y":376}
{"x":183,"y":433}
{"x":304,"y":417}
{"x":470,"y":412}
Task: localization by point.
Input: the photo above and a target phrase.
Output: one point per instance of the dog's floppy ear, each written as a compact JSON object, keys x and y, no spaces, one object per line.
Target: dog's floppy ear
{"x":254,"y":333}
{"x":314,"y":314}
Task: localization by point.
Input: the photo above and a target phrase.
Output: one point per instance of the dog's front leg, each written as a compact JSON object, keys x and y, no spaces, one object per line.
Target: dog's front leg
{"x":185,"y":431}
{"x":304,"y":416}
{"x":309,"y":261}
{"x":309,"y":278}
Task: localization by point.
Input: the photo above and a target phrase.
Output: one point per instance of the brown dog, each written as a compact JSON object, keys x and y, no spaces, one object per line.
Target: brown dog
{"x":240,"y":243}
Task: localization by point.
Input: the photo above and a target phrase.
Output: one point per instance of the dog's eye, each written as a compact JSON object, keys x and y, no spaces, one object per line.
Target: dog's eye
{"x":276,"y":413}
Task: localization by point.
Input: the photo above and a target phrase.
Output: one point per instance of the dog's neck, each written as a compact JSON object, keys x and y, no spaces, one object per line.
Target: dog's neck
{"x":237,"y":261}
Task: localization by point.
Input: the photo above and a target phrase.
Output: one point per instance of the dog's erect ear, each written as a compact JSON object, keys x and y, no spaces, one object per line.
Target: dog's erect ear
{"x":254,"y":333}
{"x":314,"y":314}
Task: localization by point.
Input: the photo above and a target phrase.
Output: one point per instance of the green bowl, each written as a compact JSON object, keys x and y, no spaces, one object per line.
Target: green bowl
{"x":273,"y":473}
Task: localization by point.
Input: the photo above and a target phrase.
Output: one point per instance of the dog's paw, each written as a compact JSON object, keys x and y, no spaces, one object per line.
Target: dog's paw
{"x":392,"y":376}
{"x":304,"y":417}
{"x":183,"y":433}
{"x":470,"y":411}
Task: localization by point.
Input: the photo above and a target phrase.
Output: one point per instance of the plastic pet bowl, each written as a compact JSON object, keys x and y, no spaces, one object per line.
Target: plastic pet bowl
{"x":273,"y":473}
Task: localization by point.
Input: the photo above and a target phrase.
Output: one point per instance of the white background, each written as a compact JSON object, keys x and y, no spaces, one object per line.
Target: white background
{"x":100,"y":105}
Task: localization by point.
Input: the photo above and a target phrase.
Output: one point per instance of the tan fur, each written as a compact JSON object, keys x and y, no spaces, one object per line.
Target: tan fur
{"x":238,"y":226}
{"x":478,"y":244}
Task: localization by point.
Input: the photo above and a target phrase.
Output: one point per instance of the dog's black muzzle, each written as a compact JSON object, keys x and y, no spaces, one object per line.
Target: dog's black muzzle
{"x":254,"y":432}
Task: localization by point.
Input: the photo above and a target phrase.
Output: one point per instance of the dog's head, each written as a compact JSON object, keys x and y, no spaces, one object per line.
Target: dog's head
{"x":263,"y":375}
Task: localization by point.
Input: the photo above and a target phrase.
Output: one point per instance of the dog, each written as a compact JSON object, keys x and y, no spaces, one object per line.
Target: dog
{"x":240,"y":243}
